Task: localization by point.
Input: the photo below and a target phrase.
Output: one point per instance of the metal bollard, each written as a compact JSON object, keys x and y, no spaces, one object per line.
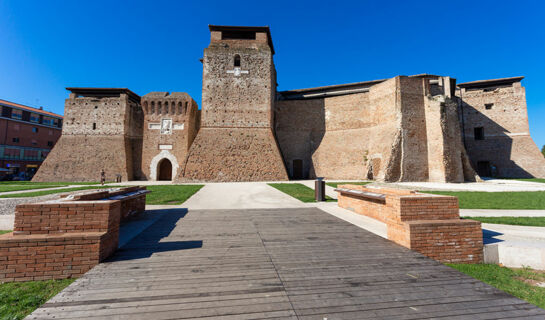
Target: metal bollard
{"x":319,"y":189}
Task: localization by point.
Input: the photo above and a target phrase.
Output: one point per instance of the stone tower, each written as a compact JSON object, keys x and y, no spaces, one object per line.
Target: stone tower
{"x":170,"y":125}
{"x":102,"y":131}
{"x":236,"y":141}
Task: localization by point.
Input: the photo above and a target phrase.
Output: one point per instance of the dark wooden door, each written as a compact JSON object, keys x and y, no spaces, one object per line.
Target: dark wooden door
{"x":297,"y":169}
{"x":165,"y":170}
{"x":483,"y":169}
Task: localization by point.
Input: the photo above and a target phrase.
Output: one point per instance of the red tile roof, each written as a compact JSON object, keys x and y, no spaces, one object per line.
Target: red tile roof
{"x":31,"y":109}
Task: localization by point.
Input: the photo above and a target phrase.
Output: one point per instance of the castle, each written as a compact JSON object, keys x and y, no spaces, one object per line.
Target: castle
{"x":407,"y":128}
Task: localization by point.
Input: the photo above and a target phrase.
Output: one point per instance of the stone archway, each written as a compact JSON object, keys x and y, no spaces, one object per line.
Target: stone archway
{"x":159,"y":160}
{"x":164,"y":170}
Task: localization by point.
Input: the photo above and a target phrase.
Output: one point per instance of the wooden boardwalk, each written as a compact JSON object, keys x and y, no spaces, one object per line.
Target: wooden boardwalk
{"x":274,"y":264}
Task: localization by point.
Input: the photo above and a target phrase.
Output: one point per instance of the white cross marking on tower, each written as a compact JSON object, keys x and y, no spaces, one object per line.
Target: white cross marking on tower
{"x":237,"y":72}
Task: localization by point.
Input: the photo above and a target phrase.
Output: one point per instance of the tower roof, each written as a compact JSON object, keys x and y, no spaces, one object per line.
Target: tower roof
{"x":104,"y":92}
{"x":490,"y":82}
{"x":245,"y":28}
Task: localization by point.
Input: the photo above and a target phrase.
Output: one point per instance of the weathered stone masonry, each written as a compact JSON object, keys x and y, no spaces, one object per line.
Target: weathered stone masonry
{"x":407,"y":128}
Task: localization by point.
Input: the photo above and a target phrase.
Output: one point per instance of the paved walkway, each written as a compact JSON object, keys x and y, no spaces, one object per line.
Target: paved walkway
{"x":240,"y":195}
{"x":298,"y":263}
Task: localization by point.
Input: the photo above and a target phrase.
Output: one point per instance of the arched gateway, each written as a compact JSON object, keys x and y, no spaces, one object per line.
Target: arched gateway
{"x":164,"y":170}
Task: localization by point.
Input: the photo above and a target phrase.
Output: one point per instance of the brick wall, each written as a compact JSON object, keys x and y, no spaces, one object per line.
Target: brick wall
{"x":67,"y":217}
{"x":429,"y":224}
{"x":452,"y":241}
{"x":56,"y":256}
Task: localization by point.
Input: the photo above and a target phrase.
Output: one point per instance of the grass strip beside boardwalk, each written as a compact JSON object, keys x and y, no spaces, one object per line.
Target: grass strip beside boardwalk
{"x":534,"y":200}
{"x":298,"y":191}
{"x":516,"y":221}
{"x":171,"y":194}
{"x":47,"y":192}
{"x":335,"y":184}
{"x":513,"y":281}
{"x":30,"y":183}
{"x":19,"y":299}
{"x":9,"y":188}
{"x":533,"y":180}
{"x":5,"y":231}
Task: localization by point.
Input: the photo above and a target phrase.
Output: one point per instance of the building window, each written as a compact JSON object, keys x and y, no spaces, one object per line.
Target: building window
{"x":488,"y":106}
{"x":35,"y":129}
{"x":34,"y":142}
{"x":34,"y":118}
{"x":47,"y":121}
{"x":94,"y":126}
{"x":479,"y":133}
{"x":16,"y":140}
{"x":49,"y":143}
{"x":237,"y":60}
{"x":17,"y":114}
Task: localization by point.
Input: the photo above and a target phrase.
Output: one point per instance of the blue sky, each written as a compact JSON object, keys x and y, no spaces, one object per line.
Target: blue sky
{"x":146,"y":46}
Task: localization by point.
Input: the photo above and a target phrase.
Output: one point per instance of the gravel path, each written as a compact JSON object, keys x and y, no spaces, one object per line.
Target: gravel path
{"x":7,"y":205}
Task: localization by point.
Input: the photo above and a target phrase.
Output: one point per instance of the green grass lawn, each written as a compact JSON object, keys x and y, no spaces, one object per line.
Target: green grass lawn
{"x":335,"y":184}
{"x":174,"y":194}
{"x":298,"y":191}
{"x":46,"y":192}
{"x":517,"y":221}
{"x":497,"y":200}
{"x":22,"y":183}
{"x":8,"y":188}
{"x":18,"y":299}
{"x":533,"y":180}
{"x":509,"y":280}
{"x":5,"y":231}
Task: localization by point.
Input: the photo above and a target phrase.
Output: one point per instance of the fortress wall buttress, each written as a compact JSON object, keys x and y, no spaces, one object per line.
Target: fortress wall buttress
{"x":414,"y":148}
{"x":100,"y":132}
{"x":496,"y":130}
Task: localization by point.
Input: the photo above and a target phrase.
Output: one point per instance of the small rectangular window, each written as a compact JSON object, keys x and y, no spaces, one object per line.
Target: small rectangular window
{"x":47,"y":121}
{"x":16,"y":140}
{"x":94,"y":126}
{"x":479,"y":133}
{"x":49,"y":143}
{"x":35,"y":129}
{"x":237,"y":35}
{"x":17,"y":114}
{"x":488,"y":106}
{"x":34,"y":118}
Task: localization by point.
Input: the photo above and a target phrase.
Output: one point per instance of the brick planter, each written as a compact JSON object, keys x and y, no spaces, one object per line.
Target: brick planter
{"x":427,"y":223}
{"x":66,"y":238}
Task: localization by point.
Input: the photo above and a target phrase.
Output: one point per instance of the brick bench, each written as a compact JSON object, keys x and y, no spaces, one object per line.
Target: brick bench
{"x":427,"y":223}
{"x":66,"y":237}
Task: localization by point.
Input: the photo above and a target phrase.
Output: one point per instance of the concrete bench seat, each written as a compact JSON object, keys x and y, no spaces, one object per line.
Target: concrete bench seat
{"x":363,"y":194}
